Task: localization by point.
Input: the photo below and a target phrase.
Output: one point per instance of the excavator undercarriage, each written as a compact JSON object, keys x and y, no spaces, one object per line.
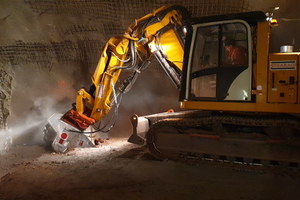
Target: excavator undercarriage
{"x":250,"y":139}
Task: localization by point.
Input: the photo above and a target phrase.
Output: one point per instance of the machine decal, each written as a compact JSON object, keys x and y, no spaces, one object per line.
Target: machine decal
{"x":283,"y":65}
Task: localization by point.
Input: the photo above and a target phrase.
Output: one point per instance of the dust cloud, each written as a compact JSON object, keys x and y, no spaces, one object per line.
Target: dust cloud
{"x":28,"y":131}
{"x":153,"y":92}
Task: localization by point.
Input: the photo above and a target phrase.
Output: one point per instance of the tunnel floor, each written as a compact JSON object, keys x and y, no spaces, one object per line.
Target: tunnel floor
{"x":119,"y":170}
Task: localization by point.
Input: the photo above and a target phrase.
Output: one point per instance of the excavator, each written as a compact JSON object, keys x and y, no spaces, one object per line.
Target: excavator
{"x":232,"y":111}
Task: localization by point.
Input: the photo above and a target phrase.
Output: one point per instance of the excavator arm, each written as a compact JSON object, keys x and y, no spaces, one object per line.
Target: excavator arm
{"x":93,"y":104}
{"x":158,"y":35}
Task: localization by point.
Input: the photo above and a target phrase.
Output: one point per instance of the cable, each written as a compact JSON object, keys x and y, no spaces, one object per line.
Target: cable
{"x":133,"y":58}
{"x":115,"y":113}
{"x":119,"y":58}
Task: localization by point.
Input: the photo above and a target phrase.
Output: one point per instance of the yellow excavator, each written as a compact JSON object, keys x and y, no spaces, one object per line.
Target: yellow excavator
{"x":239,"y":101}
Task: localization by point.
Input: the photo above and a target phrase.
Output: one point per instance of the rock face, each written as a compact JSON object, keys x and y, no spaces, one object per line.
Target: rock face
{"x":6,"y":78}
{"x":6,"y":87}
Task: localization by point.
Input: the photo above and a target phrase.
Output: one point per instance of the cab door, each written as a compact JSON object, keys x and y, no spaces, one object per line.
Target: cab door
{"x":211,"y":76}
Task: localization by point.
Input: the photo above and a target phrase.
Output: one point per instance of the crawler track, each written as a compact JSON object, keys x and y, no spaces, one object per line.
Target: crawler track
{"x":259,"y":143}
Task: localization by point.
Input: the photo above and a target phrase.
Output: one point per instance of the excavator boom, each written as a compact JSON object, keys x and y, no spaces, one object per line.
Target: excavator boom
{"x":159,"y":35}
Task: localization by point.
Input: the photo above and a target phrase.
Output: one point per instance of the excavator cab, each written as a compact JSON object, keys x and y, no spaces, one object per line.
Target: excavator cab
{"x":228,"y":67}
{"x":219,"y":58}
{"x":213,"y":72}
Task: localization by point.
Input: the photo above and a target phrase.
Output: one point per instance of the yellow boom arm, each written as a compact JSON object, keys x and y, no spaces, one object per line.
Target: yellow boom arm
{"x":159,"y":34}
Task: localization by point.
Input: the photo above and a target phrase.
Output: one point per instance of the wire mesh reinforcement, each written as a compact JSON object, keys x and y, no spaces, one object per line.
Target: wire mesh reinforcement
{"x":115,"y":17}
{"x":43,"y":54}
{"x":116,"y":9}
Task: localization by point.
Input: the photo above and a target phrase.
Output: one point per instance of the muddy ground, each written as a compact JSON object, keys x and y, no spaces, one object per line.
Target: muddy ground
{"x":120,"y":170}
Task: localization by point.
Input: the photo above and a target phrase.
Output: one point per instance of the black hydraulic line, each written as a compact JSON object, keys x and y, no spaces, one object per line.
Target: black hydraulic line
{"x":133,"y":58}
{"x":170,"y":71}
{"x":159,"y":16}
{"x":127,"y":83}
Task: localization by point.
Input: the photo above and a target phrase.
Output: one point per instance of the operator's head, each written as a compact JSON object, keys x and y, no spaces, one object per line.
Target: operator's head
{"x":229,"y":41}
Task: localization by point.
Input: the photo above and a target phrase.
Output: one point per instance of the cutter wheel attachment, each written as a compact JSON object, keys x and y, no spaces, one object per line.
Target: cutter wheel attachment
{"x":77,"y":120}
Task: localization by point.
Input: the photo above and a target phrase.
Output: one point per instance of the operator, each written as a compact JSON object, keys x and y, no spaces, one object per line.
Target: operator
{"x":236,"y":55}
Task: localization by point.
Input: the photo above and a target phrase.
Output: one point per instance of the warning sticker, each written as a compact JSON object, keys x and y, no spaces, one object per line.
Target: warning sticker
{"x":283,"y":65}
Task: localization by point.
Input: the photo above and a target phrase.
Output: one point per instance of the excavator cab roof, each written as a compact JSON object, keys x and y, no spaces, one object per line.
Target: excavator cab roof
{"x":250,"y":17}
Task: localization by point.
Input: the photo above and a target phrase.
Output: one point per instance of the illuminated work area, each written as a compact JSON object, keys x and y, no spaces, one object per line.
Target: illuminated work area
{"x":149,"y":99}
